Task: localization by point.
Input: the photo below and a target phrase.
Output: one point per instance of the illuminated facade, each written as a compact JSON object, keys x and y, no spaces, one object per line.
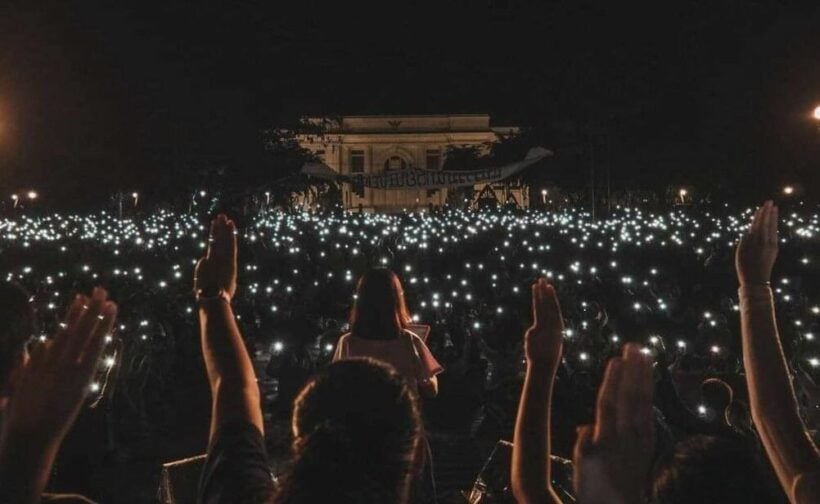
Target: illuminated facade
{"x":375,"y":144}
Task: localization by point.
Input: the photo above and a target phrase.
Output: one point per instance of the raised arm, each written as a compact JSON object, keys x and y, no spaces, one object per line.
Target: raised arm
{"x":234,"y":390}
{"x":772,"y":400}
{"x":48,"y":393}
{"x":613,"y":457}
{"x":531,"y":475}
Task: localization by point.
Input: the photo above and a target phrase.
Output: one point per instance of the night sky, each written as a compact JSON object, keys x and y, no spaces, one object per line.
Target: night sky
{"x":105,"y":96}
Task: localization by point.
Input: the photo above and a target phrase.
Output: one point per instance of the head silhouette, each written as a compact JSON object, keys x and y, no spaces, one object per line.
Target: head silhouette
{"x":380,"y":311}
{"x":356,"y":427}
{"x":719,"y":470}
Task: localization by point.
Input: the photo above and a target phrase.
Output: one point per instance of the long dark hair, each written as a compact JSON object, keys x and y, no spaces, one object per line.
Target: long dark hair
{"x":356,"y":428}
{"x":379,"y":312}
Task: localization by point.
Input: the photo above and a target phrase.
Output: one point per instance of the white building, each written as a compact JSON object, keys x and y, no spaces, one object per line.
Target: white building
{"x":374,"y":144}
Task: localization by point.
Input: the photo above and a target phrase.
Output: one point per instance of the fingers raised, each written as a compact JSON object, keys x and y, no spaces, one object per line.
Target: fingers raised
{"x":757,"y":221}
{"x":635,"y":391}
{"x":771,"y":235}
{"x":553,"y":307}
{"x":85,"y":327}
{"x":96,"y":342}
{"x":606,"y":412}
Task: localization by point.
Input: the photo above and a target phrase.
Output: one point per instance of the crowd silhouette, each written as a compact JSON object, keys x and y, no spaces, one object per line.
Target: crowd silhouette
{"x":369,"y":384}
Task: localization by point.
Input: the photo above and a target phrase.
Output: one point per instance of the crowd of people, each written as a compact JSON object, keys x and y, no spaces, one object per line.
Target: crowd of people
{"x":376,"y":333}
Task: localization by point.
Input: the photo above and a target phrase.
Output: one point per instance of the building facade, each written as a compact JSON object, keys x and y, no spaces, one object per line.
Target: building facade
{"x":374,"y":144}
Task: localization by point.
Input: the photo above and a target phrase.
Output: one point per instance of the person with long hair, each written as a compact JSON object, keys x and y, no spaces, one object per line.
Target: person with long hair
{"x":356,"y":430}
{"x":379,"y":329}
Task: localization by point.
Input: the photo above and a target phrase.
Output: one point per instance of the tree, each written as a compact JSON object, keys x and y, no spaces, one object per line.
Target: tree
{"x":462,"y":158}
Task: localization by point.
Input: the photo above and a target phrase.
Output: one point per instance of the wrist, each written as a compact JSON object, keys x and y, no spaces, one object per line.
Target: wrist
{"x":755,"y":283}
{"x":206,"y":295}
{"x":213,"y":305}
{"x":542,"y":366}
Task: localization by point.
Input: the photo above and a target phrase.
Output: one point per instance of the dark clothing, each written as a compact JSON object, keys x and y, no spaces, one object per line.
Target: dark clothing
{"x":237,"y":469}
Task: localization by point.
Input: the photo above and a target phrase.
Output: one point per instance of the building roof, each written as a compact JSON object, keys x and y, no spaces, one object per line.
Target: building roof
{"x":445,"y":123}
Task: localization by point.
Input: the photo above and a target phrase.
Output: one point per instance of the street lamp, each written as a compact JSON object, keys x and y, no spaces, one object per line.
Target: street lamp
{"x":788,"y":190}
{"x":817,"y":112}
{"x":544,"y":193}
{"x":32,"y":195}
{"x":16,"y":199}
{"x":682,"y":193}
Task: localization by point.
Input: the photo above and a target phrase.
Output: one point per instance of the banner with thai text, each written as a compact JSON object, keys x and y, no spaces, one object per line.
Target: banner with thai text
{"x":415,"y":178}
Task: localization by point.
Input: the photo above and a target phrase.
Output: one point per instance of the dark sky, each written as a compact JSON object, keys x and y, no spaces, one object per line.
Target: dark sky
{"x":109,"y":95}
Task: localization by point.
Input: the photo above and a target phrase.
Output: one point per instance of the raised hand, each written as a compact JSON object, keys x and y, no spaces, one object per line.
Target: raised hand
{"x":218,"y":269}
{"x":757,"y":250}
{"x":49,"y":390}
{"x":544,"y":339}
{"x":530,"y":471}
{"x":48,"y":393}
{"x":613,"y":457}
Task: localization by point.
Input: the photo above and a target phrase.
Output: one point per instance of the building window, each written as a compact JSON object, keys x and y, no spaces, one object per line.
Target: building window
{"x":433,"y":159}
{"x":357,"y":161}
{"x":394,"y":163}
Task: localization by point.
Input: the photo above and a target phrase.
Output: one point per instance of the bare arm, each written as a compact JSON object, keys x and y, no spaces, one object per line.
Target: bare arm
{"x":531,"y":475}
{"x":234,"y":390}
{"x":772,"y":400}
